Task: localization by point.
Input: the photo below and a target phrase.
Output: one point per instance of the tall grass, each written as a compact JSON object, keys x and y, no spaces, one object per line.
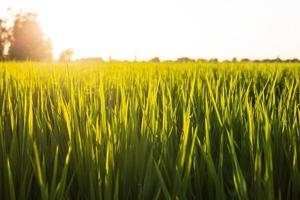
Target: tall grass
{"x":149,"y":131}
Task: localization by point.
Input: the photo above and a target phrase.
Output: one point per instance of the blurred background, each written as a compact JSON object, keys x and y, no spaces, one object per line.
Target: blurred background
{"x":143,"y":29}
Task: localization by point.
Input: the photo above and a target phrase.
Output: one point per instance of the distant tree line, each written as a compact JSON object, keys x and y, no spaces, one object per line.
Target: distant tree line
{"x":24,"y":39}
{"x":215,"y":60}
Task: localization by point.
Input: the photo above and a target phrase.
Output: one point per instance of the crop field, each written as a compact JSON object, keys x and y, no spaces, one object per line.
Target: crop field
{"x":119,"y":130}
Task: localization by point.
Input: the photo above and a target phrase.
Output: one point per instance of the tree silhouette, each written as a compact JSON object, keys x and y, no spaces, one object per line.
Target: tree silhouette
{"x":28,"y":41}
{"x":245,"y":60}
{"x":155,"y":60}
{"x":66,"y":55}
{"x":213,"y":60}
{"x":4,"y":38}
{"x":185,"y":59}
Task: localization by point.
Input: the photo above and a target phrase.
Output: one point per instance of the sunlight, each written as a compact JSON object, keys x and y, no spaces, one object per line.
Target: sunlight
{"x":123,"y":30}
{"x":65,"y":27}
{"x":113,"y":29}
{"x":168,"y":29}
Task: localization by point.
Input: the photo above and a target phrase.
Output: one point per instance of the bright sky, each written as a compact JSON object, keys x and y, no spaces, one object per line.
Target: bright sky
{"x":125,"y":29}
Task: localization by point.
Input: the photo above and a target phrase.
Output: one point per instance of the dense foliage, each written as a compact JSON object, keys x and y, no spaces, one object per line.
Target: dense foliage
{"x":24,"y":39}
{"x":149,"y":131}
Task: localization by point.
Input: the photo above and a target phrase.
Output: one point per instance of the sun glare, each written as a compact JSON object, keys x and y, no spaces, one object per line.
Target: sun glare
{"x":110,"y":29}
{"x":65,"y":27}
{"x":169,"y":29}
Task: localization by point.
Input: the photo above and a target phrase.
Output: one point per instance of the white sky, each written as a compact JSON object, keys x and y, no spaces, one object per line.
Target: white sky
{"x":169,"y":29}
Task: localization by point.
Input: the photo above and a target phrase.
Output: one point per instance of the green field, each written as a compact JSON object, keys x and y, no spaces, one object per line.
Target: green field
{"x":149,"y":131}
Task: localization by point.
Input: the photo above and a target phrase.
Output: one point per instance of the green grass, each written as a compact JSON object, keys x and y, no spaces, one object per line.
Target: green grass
{"x":149,"y":131}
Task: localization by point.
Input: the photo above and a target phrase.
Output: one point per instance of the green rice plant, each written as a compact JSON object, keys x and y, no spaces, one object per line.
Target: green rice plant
{"x":121,"y":130}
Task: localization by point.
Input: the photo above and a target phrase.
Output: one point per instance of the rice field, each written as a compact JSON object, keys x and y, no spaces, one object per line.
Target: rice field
{"x":122,"y":130}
